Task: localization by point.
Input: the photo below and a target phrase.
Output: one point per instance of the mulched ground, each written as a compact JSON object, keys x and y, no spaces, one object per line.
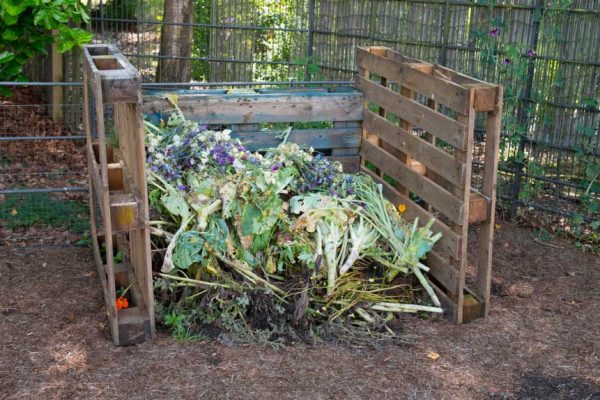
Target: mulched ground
{"x":540,"y":341}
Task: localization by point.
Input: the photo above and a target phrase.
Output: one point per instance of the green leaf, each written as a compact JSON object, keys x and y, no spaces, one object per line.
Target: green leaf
{"x":43,"y":18}
{"x":250,"y":218}
{"x":8,"y":19}
{"x":176,"y":205}
{"x":16,"y":7}
{"x":188,"y":250}
{"x":6,"y":56}
{"x":10,"y":35}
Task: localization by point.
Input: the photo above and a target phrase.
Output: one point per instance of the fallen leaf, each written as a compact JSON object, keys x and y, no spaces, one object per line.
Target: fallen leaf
{"x":432,"y":355}
{"x":498,"y":226}
{"x":14,"y":212}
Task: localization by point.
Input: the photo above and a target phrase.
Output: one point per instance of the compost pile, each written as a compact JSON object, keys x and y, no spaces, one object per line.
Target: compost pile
{"x":251,"y":241}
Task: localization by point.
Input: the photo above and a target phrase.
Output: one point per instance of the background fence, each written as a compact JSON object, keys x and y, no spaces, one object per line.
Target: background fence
{"x":545,"y":52}
{"x":43,"y":178}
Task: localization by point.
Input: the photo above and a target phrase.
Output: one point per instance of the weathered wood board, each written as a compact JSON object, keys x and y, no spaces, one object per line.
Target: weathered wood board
{"x":434,"y":180}
{"x":118,"y":193}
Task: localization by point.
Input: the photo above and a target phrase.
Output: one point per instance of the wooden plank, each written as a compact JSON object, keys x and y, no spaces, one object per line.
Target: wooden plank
{"x":442,"y":200}
{"x":348,"y":150}
{"x":462,"y":227}
{"x":124,"y":212}
{"x":134,"y":326}
{"x":478,"y":208}
{"x":407,"y":126}
{"x":56,"y":75}
{"x":129,"y":126}
{"x":447,"y":129}
{"x":115,"y":176}
{"x":316,"y":138}
{"x":459,"y":78}
{"x":263,"y":108}
{"x":106,"y":62}
{"x":443,"y":271}
{"x":118,"y":84}
{"x":448,"y":304}
{"x":486,"y":231}
{"x":445,"y":92}
{"x":485,"y":98}
{"x":350,"y":163}
{"x":449,"y":243}
{"x":101,"y":185}
{"x":416,"y":166}
{"x":472,"y":308}
{"x":431,"y":156}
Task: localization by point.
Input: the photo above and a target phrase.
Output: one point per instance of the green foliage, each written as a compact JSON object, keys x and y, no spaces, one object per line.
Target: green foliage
{"x":280,"y":48}
{"x":510,"y":63}
{"x":26,"y":25}
{"x":180,"y":326}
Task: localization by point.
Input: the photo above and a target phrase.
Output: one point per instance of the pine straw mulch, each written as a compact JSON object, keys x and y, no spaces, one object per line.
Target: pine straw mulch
{"x":37,"y":163}
{"x":540,"y":341}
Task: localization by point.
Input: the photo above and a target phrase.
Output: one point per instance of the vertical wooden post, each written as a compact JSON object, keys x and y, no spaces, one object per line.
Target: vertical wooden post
{"x":56,"y":75}
{"x":486,"y":232}
{"x":465,"y":157}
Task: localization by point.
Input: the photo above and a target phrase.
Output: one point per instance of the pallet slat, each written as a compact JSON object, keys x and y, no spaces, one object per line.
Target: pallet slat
{"x":479,"y":208}
{"x":445,"y":128}
{"x":442,"y":200}
{"x":316,"y":138}
{"x":445,"y":92}
{"x":450,"y":242}
{"x":432,"y":157}
{"x":264,"y":108}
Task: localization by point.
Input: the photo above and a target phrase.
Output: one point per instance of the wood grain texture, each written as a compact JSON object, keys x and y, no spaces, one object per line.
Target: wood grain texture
{"x":330,"y":138}
{"x":443,"y":201}
{"x":445,"y":92}
{"x":447,"y":129}
{"x":431,"y":156}
{"x":449,"y":244}
{"x":486,"y":231}
{"x":264,"y":108}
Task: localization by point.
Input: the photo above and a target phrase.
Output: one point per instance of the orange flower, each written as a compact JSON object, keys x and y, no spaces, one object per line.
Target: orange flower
{"x":401,"y":208}
{"x":122,"y":303}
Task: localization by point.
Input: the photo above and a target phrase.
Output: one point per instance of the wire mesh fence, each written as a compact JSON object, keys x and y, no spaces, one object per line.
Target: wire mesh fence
{"x":547,"y":53}
{"x":551,"y":144}
{"x":42,"y":169}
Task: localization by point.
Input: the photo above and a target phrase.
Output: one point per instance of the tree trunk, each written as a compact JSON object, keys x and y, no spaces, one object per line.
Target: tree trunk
{"x":176,"y":42}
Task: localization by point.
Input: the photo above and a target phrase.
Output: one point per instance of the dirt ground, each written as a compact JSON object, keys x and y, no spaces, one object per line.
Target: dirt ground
{"x":541,"y":341}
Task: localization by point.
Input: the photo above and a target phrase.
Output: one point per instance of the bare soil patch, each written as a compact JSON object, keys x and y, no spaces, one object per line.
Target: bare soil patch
{"x":540,"y":341}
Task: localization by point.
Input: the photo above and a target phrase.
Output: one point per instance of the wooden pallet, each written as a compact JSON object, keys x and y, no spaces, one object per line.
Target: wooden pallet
{"x":412,"y":107}
{"x":411,"y":129}
{"x":250,"y":113}
{"x":117,"y":190}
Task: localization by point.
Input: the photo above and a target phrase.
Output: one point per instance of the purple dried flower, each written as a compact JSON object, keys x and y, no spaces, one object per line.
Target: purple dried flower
{"x":222,"y":157}
{"x":495,"y":32}
{"x":531,"y":53}
{"x":506,"y":61}
{"x":183,"y":187}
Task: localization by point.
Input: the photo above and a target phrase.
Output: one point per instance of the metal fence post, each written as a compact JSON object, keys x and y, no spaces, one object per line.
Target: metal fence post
{"x":310,"y":39}
{"x":522,"y":114}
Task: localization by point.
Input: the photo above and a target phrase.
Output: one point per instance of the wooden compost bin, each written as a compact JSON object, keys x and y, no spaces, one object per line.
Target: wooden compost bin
{"x":411,"y":129}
